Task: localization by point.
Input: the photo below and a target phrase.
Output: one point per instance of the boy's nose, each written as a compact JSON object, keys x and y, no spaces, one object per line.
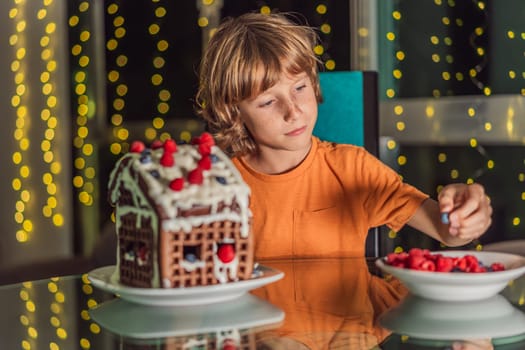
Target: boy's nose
{"x":292,"y":110}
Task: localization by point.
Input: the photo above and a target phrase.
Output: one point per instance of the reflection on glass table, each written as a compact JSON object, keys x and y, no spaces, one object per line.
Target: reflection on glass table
{"x":318,"y":304}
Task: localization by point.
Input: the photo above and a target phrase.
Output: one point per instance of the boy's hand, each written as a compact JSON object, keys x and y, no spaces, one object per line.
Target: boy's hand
{"x":468,"y":208}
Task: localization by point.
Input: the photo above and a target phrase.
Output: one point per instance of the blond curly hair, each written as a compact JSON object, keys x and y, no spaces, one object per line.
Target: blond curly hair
{"x":231,"y":66}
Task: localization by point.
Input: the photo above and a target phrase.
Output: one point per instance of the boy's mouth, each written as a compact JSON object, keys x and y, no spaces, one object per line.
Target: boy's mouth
{"x":296,"y":132}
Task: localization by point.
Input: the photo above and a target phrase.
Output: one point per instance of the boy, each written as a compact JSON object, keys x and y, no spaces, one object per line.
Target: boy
{"x":259,"y":92}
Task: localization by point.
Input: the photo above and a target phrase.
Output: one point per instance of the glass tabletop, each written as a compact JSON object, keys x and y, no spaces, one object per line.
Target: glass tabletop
{"x":318,"y":304}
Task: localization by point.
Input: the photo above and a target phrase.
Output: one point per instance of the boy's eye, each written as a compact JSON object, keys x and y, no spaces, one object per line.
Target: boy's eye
{"x":300,"y":87}
{"x":266,"y":103}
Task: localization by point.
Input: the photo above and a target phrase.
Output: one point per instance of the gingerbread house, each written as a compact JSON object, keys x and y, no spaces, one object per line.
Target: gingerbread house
{"x":182,"y":216}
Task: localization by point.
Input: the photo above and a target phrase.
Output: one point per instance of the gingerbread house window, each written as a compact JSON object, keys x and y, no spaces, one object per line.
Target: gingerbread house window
{"x":192,"y":253}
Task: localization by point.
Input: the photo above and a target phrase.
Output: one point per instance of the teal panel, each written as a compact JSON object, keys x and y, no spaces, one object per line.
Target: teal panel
{"x":341,"y":113}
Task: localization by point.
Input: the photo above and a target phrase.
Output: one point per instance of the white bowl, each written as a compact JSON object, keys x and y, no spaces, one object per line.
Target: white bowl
{"x":422,"y":318}
{"x":459,"y":286}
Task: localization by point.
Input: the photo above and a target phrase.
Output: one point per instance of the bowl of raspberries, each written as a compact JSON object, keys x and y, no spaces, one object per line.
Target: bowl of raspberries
{"x":453,"y":275}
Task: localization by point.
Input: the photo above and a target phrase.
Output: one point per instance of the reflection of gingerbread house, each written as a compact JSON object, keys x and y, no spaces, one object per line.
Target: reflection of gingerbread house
{"x":182,"y":216}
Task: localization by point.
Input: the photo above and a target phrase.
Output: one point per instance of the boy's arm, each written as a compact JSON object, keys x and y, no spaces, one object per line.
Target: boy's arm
{"x":469,"y":214}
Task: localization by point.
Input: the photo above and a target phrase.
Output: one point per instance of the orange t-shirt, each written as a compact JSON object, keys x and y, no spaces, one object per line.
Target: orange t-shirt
{"x":325,"y":206}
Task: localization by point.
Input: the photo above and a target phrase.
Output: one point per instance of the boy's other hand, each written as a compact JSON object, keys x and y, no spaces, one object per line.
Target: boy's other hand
{"x":468,"y":208}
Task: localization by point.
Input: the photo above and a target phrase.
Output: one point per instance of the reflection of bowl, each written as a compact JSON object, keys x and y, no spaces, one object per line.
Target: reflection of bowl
{"x":423,"y":318}
{"x":138,"y":321}
{"x":460,"y":286}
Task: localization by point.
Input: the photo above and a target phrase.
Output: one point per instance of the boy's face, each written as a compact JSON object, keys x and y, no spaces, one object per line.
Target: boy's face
{"x":282,"y":117}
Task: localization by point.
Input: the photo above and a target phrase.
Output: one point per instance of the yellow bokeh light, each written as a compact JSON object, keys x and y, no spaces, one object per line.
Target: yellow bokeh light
{"x":391,"y":144}
{"x":51,"y":27}
{"x":160,"y":12}
{"x":16,"y":184}
{"x":41,"y":14}
{"x":398,"y":110}
{"x":330,"y":64}
{"x":118,"y":104}
{"x":32,"y":332}
{"x":115,"y":148}
{"x":396,"y":15}
{"x":321,"y":9}
{"x":87,"y":149}
{"x":397,"y":73}
{"x":61,"y":333}
{"x":24,"y":171}
{"x":112,"y":9}
{"x":326,"y":28}
{"x":154,"y":29}
{"x":158,"y":123}
{"x":164,"y":95}
{"x":122,"y":60}
{"x":17,"y":157}
{"x":118,"y":21}
{"x":430,"y":111}
{"x":73,"y":21}
{"x":162,"y":45}
{"x":150,"y":133}
{"x":123,"y":134}
{"x":21,"y":26}
{"x":112,"y":44}
{"x":265,"y":10}
{"x":84,"y":6}
{"x":318,"y":50}
{"x":156,"y":79}
{"x":158,"y":62}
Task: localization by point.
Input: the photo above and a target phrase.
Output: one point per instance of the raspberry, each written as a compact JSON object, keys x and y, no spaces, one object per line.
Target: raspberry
{"x":207,"y":139}
{"x":167,"y":159}
{"x":195,"y":177}
{"x":444,"y":264}
{"x":205,"y":163}
{"x":170,"y":146}
{"x":427,"y":265}
{"x":204,"y":149}
{"x":177,"y":184}
{"x":415,"y":261}
{"x":497,"y":267}
{"x":156,"y":144}
{"x":137,"y":147}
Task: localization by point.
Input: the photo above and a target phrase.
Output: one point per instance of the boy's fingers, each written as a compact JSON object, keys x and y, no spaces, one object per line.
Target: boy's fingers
{"x":446,"y":199}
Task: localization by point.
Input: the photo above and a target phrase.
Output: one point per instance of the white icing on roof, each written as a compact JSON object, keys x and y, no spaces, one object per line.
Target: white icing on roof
{"x":222,"y":183}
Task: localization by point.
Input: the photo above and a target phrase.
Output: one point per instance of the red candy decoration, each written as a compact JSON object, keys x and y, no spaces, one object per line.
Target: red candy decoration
{"x":207,"y":139}
{"x":205,"y":163}
{"x":226,"y":253}
{"x":170,"y":146}
{"x":195,"y":177}
{"x":137,"y":147}
{"x":204,"y":139}
{"x":229,"y":344}
{"x":167,"y":159}
{"x":177,"y":184}
{"x":156,"y":144}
